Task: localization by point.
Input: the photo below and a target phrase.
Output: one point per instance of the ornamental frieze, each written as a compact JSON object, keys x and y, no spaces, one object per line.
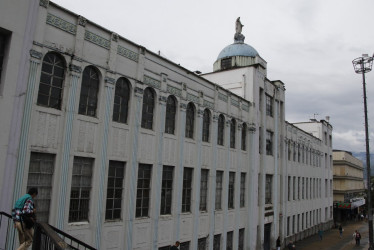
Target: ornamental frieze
{"x":152,"y":82}
{"x":61,"y":24}
{"x":96,"y":39}
{"x":173,"y":90}
{"x":127,"y":53}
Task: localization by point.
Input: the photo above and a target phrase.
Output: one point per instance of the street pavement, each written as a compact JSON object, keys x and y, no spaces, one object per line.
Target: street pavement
{"x":332,"y":241}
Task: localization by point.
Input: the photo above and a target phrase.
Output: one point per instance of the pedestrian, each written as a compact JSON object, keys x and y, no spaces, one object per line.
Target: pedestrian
{"x":358,"y":238}
{"x":291,"y":246}
{"x":23,"y":215}
{"x":340,"y":231}
{"x":320,"y":234}
{"x":175,"y":246}
{"x":354,"y":236}
{"x":278,"y":244}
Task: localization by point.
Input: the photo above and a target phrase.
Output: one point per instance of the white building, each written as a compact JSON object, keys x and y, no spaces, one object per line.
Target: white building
{"x":132,"y":151}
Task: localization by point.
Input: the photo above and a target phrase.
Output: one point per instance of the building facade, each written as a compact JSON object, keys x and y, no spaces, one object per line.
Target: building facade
{"x":132,"y":151}
{"x":349,"y":187}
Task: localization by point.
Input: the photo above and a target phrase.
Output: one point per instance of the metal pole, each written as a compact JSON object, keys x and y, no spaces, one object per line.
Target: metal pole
{"x":370,"y":215}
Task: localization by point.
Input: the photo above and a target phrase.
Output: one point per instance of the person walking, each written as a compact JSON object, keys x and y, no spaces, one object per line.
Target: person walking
{"x":23,"y":215}
{"x":358,"y":238}
{"x":320,"y":234}
{"x":175,"y":246}
{"x":278,"y":243}
{"x":340,"y":231}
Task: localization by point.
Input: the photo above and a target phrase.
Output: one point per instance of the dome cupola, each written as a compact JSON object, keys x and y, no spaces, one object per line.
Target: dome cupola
{"x":238,"y":54}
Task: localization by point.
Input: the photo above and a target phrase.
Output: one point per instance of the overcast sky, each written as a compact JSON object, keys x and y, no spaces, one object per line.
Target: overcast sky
{"x":309,"y":45}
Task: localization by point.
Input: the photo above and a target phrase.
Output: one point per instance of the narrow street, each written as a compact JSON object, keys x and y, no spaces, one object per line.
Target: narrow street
{"x":332,"y":241}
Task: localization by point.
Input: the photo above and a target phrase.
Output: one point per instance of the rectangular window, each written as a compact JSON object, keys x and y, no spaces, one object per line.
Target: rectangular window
{"x":4,"y":38}
{"x":303,"y":188}
{"x":201,"y":244}
{"x":114,"y":190}
{"x":294,"y":188}
{"x":288,"y":225}
{"x":40,"y":176}
{"x":204,"y":189}
{"x":289,"y":188}
{"x":231,"y":190}
{"x":268,"y":189}
{"x":241,"y":239}
{"x":269,"y":105}
{"x":293,"y":224}
{"x":242,"y":190}
{"x":219,"y":179}
{"x":226,"y":63}
{"x":166,"y":189}
{"x":187,"y":190}
{"x":298,"y":223}
{"x":298,"y":188}
{"x":143,"y":192}
{"x":80,"y":189}
{"x":229,"y":240}
{"x":217,"y":242}
{"x":269,"y":142}
{"x":259,"y":140}
{"x":326,"y":188}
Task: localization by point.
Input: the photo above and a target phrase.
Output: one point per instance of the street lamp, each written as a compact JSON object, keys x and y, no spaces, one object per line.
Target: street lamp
{"x":363,"y":65}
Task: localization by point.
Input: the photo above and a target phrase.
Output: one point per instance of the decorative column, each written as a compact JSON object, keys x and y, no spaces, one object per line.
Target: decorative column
{"x":179,"y":179}
{"x":158,"y":169}
{"x":109,"y":86}
{"x":237,"y":185}
{"x":226,"y":183}
{"x":251,"y":187}
{"x":75,"y":72}
{"x":197,"y":176}
{"x":275,"y":190}
{"x":212,"y":181}
{"x":134,"y":167}
{"x":26,"y":121}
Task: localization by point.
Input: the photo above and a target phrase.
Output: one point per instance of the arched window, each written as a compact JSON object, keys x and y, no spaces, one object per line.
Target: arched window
{"x":89,"y":92}
{"x":232,"y":133}
{"x":206,"y":125}
{"x":171,"y":109}
{"x":148,"y":107}
{"x":221,"y":129}
{"x":121,"y":100}
{"x":244,"y":136}
{"x":190,"y":120}
{"x":51,"y":81}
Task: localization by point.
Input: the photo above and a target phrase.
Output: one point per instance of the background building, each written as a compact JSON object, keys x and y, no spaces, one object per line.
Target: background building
{"x":348,"y":186}
{"x":132,"y":151}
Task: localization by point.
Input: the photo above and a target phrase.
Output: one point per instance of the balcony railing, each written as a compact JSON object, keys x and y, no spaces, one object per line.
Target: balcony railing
{"x":45,"y":237}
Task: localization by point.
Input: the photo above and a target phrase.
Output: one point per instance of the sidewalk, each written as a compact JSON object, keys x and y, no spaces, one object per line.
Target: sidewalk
{"x":332,"y":241}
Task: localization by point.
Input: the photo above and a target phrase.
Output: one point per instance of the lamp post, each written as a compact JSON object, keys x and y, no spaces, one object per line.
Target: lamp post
{"x":363,"y":65}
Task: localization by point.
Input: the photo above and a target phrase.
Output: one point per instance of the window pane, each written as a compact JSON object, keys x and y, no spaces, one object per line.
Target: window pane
{"x":190,"y":120}
{"x":148,"y":106}
{"x":114,"y":190}
{"x":206,"y":125}
{"x":170,"y":115}
{"x":80,"y":189}
{"x":143,"y":190}
{"x":121,"y":100}
{"x":89,"y":89}
{"x":40,"y":176}
{"x":187,"y":190}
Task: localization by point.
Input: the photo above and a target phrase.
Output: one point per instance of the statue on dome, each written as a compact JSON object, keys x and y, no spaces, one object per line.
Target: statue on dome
{"x":238,"y":26}
{"x":239,"y":37}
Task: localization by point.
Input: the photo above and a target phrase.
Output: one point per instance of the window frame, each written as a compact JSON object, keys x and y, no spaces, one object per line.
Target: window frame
{"x":269,"y":105}
{"x":91,"y":81}
{"x":83,"y":206}
{"x":268,"y":189}
{"x":118,"y":183}
{"x":170,"y":115}
{"x":122,"y":94}
{"x":144,"y":184}
{"x":231,"y":191}
{"x":219,"y":189}
{"x":232,"y":133}
{"x":187,"y":190}
{"x":204,"y":184}
{"x":148,"y":108}
{"x":221,"y":130}
{"x":242,"y":189}
{"x":167,"y":190}
{"x":244,"y":137}
{"x":206,"y":125}
{"x":190,"y":120}
{"x":269,"y":142}
{"x":56,"y":63}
